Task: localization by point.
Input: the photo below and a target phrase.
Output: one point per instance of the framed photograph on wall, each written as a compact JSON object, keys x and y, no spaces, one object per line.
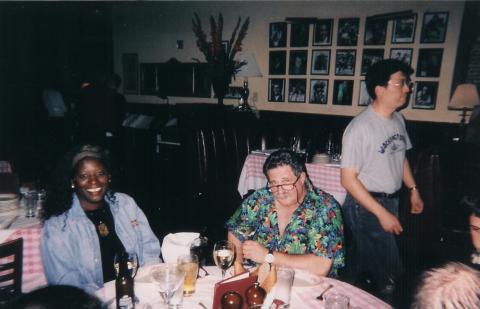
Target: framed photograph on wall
{"x":322,"y":32}
{"x":425,"y":95}
{"x":404,"y":29}
{"x":375,"y":31}
{"x":364,"y":98}
{"x":345,"y":62}
{"x":402,"y":54}
{"x":434,"y":27}
{"x":369,"y":57}
{"x":321,"y":61}
{"x":130,"y":73}
{"x":429,"y":62}
{"x":298,"y":62}
{"x":276,"y":90}
{"x":277,"y":64}
{"x":278,"y":35}
{"x":297,"y":90}
{"x":318,"y":91}
{"x":347,"y":31}
{"x":342,"y":92}
{"x":299,"y":34}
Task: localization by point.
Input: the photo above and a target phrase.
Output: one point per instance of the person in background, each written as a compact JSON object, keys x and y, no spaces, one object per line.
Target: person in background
{"x":58,"y":297}
{"x":472,"y":201}
{"x":372,"y":169}
{"x":452,"y":286}
{"x":86,"y":223}
{"x":293,"y":223}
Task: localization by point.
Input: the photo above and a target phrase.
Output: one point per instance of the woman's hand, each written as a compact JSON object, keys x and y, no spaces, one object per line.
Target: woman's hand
{"x":254,"y":251}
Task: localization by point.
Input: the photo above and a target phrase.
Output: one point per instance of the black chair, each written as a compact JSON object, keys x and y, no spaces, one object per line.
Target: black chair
{"x":11,"y":258}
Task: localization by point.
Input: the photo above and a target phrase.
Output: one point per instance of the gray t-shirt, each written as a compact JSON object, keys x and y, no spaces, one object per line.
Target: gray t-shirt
{"x":375,"y":146}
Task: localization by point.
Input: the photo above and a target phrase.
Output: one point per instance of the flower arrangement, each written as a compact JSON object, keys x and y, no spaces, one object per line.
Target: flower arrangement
{"x":220,"y":58}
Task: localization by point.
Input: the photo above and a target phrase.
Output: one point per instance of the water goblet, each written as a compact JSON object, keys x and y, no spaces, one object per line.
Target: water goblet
{"x":223,"y":255}
{"x":169,"y":279}
{"x":132,"y":262}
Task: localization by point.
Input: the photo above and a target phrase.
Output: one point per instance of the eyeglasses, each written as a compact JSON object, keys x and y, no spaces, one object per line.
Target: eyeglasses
{"x":402,"y":83}
{"x":285,"y":186}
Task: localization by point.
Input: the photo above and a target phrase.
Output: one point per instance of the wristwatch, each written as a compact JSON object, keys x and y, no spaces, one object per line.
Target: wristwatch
{"x":270,"y":258}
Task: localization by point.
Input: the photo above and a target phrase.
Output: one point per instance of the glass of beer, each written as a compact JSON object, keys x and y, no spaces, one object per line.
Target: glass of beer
{"x":189,"y":264}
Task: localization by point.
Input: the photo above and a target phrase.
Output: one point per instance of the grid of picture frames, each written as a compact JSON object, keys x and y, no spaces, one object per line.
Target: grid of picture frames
{"x":290,"y":80}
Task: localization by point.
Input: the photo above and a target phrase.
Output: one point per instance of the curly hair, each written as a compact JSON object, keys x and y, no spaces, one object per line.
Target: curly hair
{"x":283,"y":157}
{"x":59,"y":197}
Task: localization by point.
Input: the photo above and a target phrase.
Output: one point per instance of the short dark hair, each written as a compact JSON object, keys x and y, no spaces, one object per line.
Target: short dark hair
{"x":283,"y":157}
{"x":379,"y":73}
{"x":472,"y":201}
{"x":57,"y":297}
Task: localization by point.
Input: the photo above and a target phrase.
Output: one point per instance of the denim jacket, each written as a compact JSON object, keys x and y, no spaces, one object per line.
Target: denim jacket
{"x":70,"y":247}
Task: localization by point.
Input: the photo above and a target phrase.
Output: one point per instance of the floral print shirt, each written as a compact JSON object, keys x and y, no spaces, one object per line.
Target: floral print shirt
{"x":316,"y":226}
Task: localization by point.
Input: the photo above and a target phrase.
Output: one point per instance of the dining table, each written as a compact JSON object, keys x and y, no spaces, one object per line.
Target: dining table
{"x":14,"y":225}
{"x":305,"y":289}
{"x":325,"y":176}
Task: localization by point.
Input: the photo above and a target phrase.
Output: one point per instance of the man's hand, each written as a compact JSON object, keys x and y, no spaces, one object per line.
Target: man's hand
{"x":254,"y":251}
{"x":416,"y":202}
{"x":390,"y":223}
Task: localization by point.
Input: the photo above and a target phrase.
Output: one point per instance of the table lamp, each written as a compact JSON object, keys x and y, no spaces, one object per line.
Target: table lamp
{"x":464,"y":98}
{"x":250,"y":69}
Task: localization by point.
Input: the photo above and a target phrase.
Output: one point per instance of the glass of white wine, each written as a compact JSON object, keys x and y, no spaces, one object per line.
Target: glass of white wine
{"x":132,"y":262}
{"x":223,"y":255}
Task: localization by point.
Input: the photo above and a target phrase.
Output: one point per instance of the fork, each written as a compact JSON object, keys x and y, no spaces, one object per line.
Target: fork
{"x":320,"y":297}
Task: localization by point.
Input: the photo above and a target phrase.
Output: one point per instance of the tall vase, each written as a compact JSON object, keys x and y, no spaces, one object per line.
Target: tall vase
{"x":220,"y":82}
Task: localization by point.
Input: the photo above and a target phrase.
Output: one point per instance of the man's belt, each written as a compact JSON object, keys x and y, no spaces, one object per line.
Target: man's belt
{"x":385,"y":195}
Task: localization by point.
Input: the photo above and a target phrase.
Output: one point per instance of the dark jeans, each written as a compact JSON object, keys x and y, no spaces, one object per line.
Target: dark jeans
{"x":371,"y":249}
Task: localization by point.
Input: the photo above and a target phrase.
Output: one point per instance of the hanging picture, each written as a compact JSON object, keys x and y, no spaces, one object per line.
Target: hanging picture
{"x":345,"y":62}
{"x":342,"y":92}
{"x":434,"y":27}
{"x":425,"y":95}
{"x":429,"y":62}
{"x":322,"y":32}
{"x":278,"y":35}
{"x":298,"y":62}
{"x":318,"y":91}
{"x":277,"y":62}
{"x":299,"y":34}
{"x":370,"y":56}
{"x":320,"y":61}
{"x":404,"y":29}
{"x":402,"y":54}
{"x":364,"y":98}
{"x":375,"y":31}
{"x":296,"y":90}
{"x":347,"y":31}
{"x":276,"y":90}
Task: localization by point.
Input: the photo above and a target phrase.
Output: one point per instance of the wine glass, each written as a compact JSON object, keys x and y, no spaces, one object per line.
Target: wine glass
{"x":169,"y":279}
{"x":199,"y":248}
{"x":132,"y":262}
{"x":248,"y":233}
{"x":223,"y":255}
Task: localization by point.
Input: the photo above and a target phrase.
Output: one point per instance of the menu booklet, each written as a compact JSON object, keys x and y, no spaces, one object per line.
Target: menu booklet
{"x":239,"y":283}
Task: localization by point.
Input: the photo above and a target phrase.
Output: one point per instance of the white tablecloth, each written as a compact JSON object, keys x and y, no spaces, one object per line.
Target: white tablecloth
{"x":305,"y":288}
{"x":323,"y":176}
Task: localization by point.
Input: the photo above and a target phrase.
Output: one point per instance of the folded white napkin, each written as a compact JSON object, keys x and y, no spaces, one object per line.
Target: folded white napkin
{"x":177,"y":244}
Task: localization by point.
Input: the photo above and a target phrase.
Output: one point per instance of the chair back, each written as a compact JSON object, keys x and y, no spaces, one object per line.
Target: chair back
{"x":11,"y":268}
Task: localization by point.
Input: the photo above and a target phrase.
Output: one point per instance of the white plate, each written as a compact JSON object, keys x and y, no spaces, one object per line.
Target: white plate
{"x":305,"y":279}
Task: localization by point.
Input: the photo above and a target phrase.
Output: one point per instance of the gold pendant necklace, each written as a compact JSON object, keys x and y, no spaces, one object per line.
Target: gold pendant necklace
{"x":103,"y":229}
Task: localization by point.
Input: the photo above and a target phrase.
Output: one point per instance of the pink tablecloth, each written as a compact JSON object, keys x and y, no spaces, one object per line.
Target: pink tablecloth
{"x":33,"y":274}
{"x":323,"y":176}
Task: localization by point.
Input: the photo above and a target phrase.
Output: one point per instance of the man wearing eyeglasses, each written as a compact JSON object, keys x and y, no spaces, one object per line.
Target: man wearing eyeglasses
{"x":372,"y":170}
{"x":289,"y":222}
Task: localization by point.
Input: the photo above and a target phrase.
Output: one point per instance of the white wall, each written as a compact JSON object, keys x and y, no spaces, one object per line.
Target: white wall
{"x":151,"y":29}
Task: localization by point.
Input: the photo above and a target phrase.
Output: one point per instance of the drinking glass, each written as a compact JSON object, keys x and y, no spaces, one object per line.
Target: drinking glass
{"x":283,"y":286}
{"x":337,"y":301}
{"x":189,"y":264}
{"x":223,"y":255}
{"x":30,"y":203}
{"x":248,"y":233}
{"x":132,"y":263}
{"x":169,"y":279}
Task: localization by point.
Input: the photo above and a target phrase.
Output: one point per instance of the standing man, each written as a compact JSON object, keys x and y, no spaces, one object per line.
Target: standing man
{"x":373,"y":168}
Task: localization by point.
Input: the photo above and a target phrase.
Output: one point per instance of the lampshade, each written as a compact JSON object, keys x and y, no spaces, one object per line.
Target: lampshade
{"x":250,"y":69}
{"x":464,"y":97}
